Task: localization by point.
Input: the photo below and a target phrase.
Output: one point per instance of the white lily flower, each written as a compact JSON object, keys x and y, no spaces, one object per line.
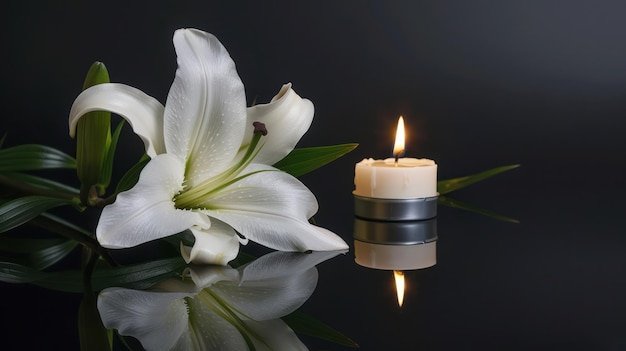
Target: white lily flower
{"x":210,"y":171}
{"x":221,"y":308}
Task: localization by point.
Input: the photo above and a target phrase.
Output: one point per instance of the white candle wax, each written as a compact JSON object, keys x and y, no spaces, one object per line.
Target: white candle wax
{"x":409,"y":178}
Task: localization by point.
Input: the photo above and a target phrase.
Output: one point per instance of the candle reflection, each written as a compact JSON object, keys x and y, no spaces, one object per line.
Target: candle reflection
{"x":402,"y":245}
{"x":396,"y":246}
{"x":218,"y":308}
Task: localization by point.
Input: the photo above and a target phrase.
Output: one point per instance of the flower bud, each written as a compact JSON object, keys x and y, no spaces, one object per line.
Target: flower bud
{"x":93,"y":137}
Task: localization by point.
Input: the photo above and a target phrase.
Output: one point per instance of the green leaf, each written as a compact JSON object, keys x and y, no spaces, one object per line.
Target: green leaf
{"x":132,"y":175}
{"x":446,"y":201}
{"x":304,"y":160}
{"x":26,"y":245}
{"x":37,"y":253}
{"x":65,"y":223}
{"x":304,"y":324}
{"x":45,"y":258}
{"x":32,"y":157}
{"x":21,"y":210}
{"x":93,"y":136}
{"x":107,"y":166}
{"x":137,"y":276}
{"x":42,"y":183}
{"x":450,"y":185}
{"x":16,"y":273}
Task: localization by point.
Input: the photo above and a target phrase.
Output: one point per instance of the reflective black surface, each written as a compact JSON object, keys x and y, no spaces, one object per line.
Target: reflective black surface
{"x":480,"y":85}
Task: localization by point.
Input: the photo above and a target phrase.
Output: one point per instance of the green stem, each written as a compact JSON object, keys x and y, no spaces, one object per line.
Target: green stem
{"x":106,"y":201}
{"x":92,"y":199}
{"x":89,"y":264}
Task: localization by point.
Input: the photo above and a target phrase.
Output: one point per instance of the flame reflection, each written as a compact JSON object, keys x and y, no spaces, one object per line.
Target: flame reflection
{"x":399,"y":277}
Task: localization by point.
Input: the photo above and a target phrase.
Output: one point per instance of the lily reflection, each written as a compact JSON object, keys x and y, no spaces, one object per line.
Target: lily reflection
{"x":218,"y":308}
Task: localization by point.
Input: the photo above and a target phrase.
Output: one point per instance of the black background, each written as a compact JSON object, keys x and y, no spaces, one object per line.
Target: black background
{"x":480,"y":83}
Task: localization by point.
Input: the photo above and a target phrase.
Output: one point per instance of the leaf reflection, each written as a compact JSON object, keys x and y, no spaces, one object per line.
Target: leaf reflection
{"x":218,"y":308}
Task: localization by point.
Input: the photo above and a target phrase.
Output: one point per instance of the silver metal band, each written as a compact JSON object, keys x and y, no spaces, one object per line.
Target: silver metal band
{"x":395,"y":209}
{"x":395,"y":233}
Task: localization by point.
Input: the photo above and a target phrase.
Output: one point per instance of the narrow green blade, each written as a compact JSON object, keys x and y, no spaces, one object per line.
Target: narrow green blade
{"x":137,"y":276}
{"x":107,"y":165}
{"x":66,"y":223}
{"x":21,"y":210}
{"x":37,"y":253}
{"x":450,"y":185}
{"x":16,"y":273}
{"x":132,"y":175}
{"x":304,"y":160}
{"x":42,"y":183}
{"x":304,"y":324}
{"x":446,"y":201}
{"x":27,"y":245}
{"x":32,"y":157}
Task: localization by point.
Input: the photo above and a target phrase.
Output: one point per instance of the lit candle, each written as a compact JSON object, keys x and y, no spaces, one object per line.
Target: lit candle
{"x":399,"y":178}
{"x":396,"y":178}
{"x":409,"y":178}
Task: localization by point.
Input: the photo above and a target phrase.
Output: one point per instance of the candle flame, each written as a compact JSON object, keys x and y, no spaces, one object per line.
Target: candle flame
{"x":399,"y":276}
{"x":398,"y":147}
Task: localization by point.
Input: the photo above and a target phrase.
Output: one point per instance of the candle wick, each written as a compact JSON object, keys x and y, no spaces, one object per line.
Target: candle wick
{"x":397,"y":155}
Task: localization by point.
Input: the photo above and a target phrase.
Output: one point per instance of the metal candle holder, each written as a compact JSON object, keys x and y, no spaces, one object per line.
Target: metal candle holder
{"x":395,"y":209}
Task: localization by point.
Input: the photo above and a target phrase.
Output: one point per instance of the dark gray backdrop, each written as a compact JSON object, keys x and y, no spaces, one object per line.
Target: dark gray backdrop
{"x":480,"y":83}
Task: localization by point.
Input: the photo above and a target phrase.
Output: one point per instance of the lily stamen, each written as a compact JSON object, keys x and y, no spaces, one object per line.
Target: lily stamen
{"x":259,"y":127}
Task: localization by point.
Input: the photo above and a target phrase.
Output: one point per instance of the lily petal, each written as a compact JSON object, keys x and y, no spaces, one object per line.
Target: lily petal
{"x":273,"y":298}
{"x":216,"y":245}
{"x":272,"y":208}
{"x":265,"y":189}
{"x":206,"y":276}
{"x":284,"y":264}
{"x":146,"y":212}
{"x":157,"y":319}
{"x":143,"y":112}
{"x":284,"y":234}
{"x":205,"y":111}
{"x":209,"y":331}
{"x":167,"y":321}
{"x":279,"y":282}
{"x":181,"y":315}
{"x":287,"y":117}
